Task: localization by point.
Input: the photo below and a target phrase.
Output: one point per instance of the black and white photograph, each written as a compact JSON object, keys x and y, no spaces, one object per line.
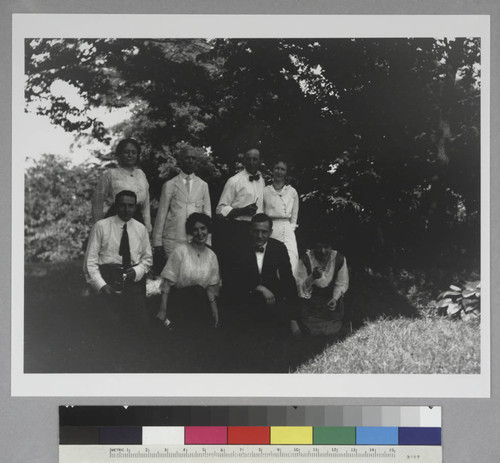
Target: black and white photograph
{"x":289,"y":206}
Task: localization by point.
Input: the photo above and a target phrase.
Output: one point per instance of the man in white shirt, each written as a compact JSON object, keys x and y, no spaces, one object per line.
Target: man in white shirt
{"x":117,"y":259}
{"x":180,"y":197}
{"x":243,"y":193}
{"x":241,"y":199}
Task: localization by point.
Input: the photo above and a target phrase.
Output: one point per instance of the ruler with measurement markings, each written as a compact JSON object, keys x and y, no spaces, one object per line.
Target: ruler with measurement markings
{"x":249,"y":453}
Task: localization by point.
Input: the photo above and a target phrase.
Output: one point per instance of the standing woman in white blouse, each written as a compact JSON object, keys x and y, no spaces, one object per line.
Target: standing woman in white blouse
{"x":281,"y":203}
{"x":127,"y":176}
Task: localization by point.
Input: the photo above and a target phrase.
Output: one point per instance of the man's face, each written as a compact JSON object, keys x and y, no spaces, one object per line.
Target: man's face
{"x":252,"y":161}
{"x":260,"y":231}
{"x":187,"y":162}
{"x":125,"y":207}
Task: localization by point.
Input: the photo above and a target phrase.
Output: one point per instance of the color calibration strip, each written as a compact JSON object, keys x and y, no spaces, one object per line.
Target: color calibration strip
{"x":350,"y":434}
{"x":249,"y":435}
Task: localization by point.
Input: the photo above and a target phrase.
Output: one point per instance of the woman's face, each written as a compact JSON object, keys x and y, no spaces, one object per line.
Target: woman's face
{"x":279,"y":171}
{"x":321,"y":250}
{"x":200,"y":233}
{"x":128,"y":155}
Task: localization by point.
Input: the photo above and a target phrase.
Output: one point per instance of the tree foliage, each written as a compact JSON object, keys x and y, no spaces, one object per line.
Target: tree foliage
{"x":383,"y":134}
{"x":57,"y":209}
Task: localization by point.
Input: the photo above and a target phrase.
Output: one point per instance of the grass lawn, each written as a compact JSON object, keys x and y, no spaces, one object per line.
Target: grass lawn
{"x":404,"y":346}
{"x":65,"y":333}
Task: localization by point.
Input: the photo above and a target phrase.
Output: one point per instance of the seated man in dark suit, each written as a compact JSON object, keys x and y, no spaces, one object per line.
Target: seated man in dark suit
{"x":263,"y":274}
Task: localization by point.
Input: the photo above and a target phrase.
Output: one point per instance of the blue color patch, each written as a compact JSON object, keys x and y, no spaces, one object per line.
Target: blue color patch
{"x":419,"y":436}
{"x":376,"y":435}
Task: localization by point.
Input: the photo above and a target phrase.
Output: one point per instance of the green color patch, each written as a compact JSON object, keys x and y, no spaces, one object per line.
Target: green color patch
{"x":342,"y":435}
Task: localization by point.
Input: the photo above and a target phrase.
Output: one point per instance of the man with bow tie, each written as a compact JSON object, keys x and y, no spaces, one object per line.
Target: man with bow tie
{"x":242,"y":196}
{"x":117,"y":259}
{"x":180,"y":197}
{"x":263,"y":275}
{"x":241,"y":199}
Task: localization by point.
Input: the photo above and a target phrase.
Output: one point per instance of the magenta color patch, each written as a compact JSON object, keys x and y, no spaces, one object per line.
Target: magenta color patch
{"x":205,"y":435}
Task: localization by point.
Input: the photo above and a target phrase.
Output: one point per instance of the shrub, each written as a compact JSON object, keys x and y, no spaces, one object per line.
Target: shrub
{"x":57,"y":207}
{"x":461,"y":301}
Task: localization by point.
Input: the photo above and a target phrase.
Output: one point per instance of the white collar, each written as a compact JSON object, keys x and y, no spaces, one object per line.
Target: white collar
{"x":285,"y":186}
{"x":248,"y":173}
{"x":184,"y":176}
{"x":264,"y":246}
{"x":119,"y":221}
{"x":127,"y":170}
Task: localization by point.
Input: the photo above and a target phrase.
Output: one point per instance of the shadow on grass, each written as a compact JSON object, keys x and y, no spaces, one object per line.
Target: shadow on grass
{"x":65,"y":333}
{"x":371,"y":297}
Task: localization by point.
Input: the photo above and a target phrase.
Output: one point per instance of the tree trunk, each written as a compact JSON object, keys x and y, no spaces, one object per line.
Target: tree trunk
{"x":447,"y":100}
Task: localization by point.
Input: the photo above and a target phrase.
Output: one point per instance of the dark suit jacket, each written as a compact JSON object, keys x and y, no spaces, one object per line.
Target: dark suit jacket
{"x":276,"y":273}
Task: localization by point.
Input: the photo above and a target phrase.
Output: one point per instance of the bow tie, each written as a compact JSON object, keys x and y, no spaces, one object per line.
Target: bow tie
{"x":259,"y":249}
{"x":254,"y":178}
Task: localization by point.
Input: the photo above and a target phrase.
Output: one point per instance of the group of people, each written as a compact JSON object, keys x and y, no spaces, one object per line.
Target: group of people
{"x":253,"y":260}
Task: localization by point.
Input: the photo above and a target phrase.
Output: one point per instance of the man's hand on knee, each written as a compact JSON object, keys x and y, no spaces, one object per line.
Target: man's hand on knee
{"x":266,"y":294}
{"x":107,"y":290}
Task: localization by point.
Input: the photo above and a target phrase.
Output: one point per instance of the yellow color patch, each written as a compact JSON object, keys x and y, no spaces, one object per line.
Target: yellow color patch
{"x":291,"y":435}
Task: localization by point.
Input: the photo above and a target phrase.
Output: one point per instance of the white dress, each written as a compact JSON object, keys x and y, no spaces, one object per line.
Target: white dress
{"x":115,"y":180}
{"x":283,"y":207}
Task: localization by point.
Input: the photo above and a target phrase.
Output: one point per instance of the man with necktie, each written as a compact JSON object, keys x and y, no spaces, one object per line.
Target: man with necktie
{"x":180,"y":197}
{"x":241,"y":199}
{"x":263,"y":275}
{"x":117,"y":260}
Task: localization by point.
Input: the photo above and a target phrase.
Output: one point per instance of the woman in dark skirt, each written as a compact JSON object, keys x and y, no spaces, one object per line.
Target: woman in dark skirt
{"x":322,"y":280}
{"x":190,"y":279}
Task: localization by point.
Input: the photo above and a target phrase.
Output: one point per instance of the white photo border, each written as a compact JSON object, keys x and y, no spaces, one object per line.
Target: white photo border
{"x":242,"y":26}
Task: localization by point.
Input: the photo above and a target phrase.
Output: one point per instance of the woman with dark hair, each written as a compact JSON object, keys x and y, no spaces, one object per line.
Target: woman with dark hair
{"x":126,"y":176}
{"x":191,"y":275}
{"x":322,"y":280}
{"x":281,"y":203}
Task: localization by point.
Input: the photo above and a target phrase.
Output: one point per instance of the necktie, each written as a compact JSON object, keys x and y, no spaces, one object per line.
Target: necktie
{"x":259,"y":249}
{"x":124,"y":250}
{"x":254,"y":178}
{"x":188,"y":183}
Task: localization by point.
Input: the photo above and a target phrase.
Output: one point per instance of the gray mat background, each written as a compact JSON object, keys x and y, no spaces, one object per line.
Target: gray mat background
{"x":29,"y":426}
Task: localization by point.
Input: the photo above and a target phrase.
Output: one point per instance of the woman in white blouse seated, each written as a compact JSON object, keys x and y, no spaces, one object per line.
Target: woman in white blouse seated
{"x":281,"y":203}
{"x":191,"y":276}
{"x":127,"y":176}
{"x":322,"y":280}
